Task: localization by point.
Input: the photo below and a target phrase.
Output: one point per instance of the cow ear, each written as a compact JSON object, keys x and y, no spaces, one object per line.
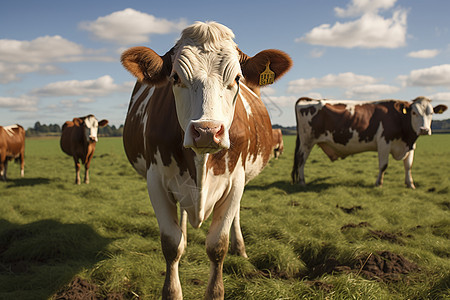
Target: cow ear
{"x":77,"y":121}
{"x":402,"y":107}
{"x":252,"y":67}
{"x":147,"y":66}
{"x":440,"y":109}
{"x":103,"y":123}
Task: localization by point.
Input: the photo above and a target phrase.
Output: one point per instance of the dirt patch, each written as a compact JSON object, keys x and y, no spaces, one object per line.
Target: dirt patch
{"x":352,"y":225}
{"x":320,"y":285}
{"x":349,"y":210}
{"x":384,"y":266}
{"x":391,"y":237}
{"x":81,"y":289}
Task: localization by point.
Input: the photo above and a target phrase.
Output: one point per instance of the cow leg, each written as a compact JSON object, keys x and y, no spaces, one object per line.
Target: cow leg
{"x":87,"y":165}
{"x":77,"y":171}
{"x":237,"y":240}
{"x":3,"y":163}
{"x":22,"y":163}
{"x":298,"y":171}
{"x":218,"y":238}
{"x":383,"y":159}
{"x":172,"y":240}
{"x":183,"y":225}
{"x":407,"y":162}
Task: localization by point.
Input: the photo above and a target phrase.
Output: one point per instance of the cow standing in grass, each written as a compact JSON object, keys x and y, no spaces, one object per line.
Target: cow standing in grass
{"x":197,"y":130}
{"x":278,"y":145}
{"x":12,"y":146}
{"x":78,"y":139}
{"x":343,"y":128}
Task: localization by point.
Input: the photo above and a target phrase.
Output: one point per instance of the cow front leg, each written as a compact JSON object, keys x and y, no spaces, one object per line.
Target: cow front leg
{"x":172,"y":239}
{"x":237,"y":240}
{"x":218,"y":238}
{"x":86,"y":173}
{"x":22,"y":163}
{"x":298,"y":170}
{"x":3,"y":166}
{"x":407,"y":162}
{"x":183,"y":225}
{"x":77,"y":171}
{"x":383,"y":160}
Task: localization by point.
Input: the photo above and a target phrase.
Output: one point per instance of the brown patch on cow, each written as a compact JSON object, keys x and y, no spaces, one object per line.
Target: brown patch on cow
{"x":349,"y":210}
{"x":352,"y":225}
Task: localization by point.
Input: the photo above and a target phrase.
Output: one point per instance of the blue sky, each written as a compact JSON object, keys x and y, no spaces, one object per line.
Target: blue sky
{"x":60,"y":59}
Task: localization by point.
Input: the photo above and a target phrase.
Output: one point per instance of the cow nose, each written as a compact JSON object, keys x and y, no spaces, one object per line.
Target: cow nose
{"x":207,"y":134}
{"x":425,"y":131}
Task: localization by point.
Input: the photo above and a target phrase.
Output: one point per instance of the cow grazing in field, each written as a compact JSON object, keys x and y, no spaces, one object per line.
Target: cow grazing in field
{"x":78,"y":139}
{"x":278,"y":145}
{"x":12,"y":146}
{"x":197,"y":130}
{"x":343,"y":128}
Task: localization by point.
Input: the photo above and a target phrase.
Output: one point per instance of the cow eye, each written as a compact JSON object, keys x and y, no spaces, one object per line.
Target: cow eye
{"x":238,"y":77}
{"x":176,"y":78}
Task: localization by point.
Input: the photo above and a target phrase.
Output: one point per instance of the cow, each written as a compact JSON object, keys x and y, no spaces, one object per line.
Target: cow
{"x":78,"y":139}
{"x":278,"y":145}
{"x":343,"y":128}
{"x":197,"y":130}
{"x":12,"y":146}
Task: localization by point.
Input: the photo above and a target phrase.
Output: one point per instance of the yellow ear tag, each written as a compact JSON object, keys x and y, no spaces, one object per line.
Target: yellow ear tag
{"x":404,"y":111}
{"x":267,"y":77}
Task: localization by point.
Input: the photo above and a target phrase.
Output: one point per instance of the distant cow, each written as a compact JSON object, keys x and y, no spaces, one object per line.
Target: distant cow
{"x":278,"y":145}
{"x":78,"y":139}
{"x":197,"y":130}
{"x":12,"y":146}
{"x":343,"y":128}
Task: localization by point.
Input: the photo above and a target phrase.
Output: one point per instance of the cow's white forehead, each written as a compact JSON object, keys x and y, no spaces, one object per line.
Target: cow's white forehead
{"x":422,"y":106}
{"x":91,"y":122}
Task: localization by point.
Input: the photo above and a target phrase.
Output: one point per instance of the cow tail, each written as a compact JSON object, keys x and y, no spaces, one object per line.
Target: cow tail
{"x":294,"y":173}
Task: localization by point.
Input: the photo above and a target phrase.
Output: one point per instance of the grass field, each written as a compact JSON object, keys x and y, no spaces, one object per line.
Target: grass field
{"x":337,"y":238}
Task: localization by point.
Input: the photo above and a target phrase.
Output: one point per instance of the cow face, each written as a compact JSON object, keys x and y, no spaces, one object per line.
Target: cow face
{"x":90,"y":127}
{"x":205,"y":69}
{"x":422,"y":113}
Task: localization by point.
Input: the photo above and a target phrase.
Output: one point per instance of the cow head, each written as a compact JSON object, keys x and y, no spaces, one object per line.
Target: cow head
{"x":90,"y":126}
{"x":205,"y":69}
{"x":421,"y":114}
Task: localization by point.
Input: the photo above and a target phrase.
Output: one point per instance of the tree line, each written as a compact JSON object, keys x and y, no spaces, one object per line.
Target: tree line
{"x":55,"y":130}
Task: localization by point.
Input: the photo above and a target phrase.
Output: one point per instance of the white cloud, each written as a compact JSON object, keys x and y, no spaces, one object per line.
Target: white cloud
{"x":41,"y":55}
{"x":426,"y":53}
{"x":371,"y":91}
{"x":274,"y":101}
{"x":316,"y":53}
{"x":433,"y":76}
{"x":24,"y":103}
{"x":371,"y":30}
{"x":98,"y":87}
{"x":441,"y":97}
{"x":360,"y":7}
{"x":342,"y":80}
{"x":130,"y":26}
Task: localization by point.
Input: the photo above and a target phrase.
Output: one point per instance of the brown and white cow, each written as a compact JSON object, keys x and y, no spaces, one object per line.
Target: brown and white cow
{"x":278,"y":145}
{"x":343,"y":128}
{"x":12,"y":146}
{"x":78,"y":139}
{"x":197,"y":130}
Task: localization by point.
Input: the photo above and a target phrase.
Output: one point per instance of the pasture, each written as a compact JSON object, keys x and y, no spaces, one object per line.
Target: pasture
{"x":337,"y":238}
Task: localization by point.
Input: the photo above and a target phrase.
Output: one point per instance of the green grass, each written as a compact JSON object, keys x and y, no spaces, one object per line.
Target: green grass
{"x":52,"y":231}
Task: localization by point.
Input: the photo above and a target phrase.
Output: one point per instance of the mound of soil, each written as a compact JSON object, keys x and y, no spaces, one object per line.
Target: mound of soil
{"x":385,"y":266}
{"x":81,"y":289}
{"x":349,"y":210}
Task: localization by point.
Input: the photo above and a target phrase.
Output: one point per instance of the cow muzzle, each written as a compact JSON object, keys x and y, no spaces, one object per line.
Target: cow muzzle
{"x":425,"y":131}
{"x":206,"y":137}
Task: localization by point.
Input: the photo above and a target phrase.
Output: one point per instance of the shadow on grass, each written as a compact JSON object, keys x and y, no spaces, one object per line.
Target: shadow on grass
{"x":316,"y":185}
{"x":17,"y":182}
{"x":39,"y":258}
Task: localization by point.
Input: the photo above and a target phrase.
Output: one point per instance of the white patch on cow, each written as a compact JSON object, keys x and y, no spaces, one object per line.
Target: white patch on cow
{"x":138,"y":94}
{"x":252,"y":167}
{"x":9,"y":129}
{"x":244,"y":101}
{"x":140,"y":165}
